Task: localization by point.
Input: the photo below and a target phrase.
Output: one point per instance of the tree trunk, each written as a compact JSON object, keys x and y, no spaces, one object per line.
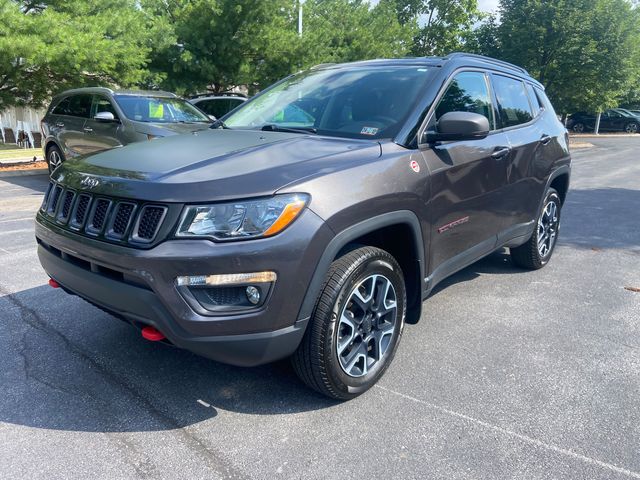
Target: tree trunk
{"x":597,"y":127}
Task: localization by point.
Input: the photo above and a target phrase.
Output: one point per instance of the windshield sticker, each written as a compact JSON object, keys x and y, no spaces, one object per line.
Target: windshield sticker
{"x":369,"y":131}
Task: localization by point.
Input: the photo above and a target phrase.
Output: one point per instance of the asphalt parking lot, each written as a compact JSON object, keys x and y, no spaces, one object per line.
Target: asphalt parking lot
{"x":509,"y":374}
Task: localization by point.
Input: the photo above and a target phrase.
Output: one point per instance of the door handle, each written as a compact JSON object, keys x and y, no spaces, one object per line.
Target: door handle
{"x":501,"y":152}
{"x":545,"y":139}
{"x":88,"y":129}
{"x":60,"y":124}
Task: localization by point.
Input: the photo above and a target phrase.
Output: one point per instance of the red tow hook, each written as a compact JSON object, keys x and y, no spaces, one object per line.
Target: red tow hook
{"x":152,"y":334}
{"x":53,"y":283}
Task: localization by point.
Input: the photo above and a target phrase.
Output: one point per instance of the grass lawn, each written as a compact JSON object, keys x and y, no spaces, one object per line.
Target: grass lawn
{"x":10,"y":152}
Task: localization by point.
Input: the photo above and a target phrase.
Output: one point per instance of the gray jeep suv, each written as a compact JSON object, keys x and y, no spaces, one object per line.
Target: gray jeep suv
{"x":87,"y":120}
{"x":314,"y":220}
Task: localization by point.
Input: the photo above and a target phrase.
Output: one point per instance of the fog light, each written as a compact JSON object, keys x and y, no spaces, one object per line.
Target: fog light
{"x":253,"y":295}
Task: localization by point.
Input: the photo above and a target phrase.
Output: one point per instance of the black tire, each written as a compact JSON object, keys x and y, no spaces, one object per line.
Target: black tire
{"x":529,"y":255}
{"x":631,"y":127}
{"x":316,"y":361}
{"x":578,"y":127}
{"x":54,"y":158}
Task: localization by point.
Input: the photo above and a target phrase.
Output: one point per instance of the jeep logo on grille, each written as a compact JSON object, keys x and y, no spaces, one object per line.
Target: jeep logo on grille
{"x":89,"y":182}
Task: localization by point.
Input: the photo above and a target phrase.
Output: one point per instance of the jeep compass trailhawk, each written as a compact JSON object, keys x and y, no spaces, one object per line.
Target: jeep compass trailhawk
{"x":313,"y":220}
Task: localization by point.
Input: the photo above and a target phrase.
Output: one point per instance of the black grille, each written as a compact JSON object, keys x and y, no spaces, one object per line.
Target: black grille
{"x":66,"y":205}
{"x":122,"y":218}
{"x":149,"y":221}
{"x":108,"y":219}
{"x":81,"y":210}
{"x":55,"y":197}
{"x":99,"y":214}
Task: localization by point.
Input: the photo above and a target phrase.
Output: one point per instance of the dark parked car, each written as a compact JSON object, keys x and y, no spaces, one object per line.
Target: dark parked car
{"x":318,"y":216}
{"x":218,"y":106}
{"x":88,"y":120}
{"x":613,"y":120}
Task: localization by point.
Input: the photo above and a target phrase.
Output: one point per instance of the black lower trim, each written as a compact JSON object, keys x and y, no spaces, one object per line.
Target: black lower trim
{"x":141,"y":307}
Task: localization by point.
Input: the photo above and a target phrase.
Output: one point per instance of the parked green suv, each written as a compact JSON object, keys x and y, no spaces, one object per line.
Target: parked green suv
{"x":88,"y":120}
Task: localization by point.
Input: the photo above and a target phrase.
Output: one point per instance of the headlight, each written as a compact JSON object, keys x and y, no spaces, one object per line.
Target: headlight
{"x":242,"y":219}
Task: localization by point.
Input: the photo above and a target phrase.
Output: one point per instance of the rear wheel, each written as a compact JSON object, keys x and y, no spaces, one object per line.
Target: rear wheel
{"x":54,"y":158}
{"x":356,"y":325}
{"x":538,"y":250}
{"x":578,"y":127}
{"x":631,"y":127}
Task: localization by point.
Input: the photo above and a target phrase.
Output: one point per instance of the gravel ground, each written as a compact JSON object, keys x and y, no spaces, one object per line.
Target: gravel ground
{"x":510,"y":374}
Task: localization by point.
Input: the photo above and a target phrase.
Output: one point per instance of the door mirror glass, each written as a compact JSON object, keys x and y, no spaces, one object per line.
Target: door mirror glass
{"x":459,"y":126}
{"x":104,"y":117}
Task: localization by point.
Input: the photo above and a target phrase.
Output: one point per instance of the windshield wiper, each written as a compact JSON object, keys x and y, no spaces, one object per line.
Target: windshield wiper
{"x":270,"y":127}
{"x":219,"y":124}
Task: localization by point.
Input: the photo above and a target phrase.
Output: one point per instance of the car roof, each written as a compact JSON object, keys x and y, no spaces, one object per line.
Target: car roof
{"x":455,"y":60}
{"x":109,"y":91}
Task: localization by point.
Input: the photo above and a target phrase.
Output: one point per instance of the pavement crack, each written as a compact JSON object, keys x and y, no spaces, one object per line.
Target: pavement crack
{"x":32,"y":318}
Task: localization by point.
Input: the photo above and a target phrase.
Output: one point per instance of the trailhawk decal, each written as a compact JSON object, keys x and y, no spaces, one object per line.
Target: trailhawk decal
{"x":455,"y":223}
{"x":415,"y":166}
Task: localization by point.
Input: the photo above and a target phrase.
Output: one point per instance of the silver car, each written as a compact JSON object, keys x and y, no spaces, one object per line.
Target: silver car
{"x":88,"y":120}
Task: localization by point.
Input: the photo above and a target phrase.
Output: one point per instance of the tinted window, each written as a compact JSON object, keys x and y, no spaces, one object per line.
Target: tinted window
{"x":216,"y":107}
{"x":544,"y":100}
{"x":513,"y":102}
{"x":102,"y":104}
{"x":79,"y":106}
{"x":468,"y":92}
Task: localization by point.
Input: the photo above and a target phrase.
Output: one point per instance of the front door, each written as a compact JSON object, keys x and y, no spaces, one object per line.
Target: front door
{"x":467,"y":180}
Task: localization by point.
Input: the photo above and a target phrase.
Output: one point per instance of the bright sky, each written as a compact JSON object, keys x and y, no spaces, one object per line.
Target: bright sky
{"x":487,"y":5}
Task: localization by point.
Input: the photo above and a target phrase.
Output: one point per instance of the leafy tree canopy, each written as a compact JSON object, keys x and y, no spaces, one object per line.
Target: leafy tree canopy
{"x":49,"y":46}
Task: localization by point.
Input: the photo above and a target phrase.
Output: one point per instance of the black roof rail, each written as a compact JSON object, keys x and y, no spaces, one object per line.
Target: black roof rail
{"x":495,"y":61}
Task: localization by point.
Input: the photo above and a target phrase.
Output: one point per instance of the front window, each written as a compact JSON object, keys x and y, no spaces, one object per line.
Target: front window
{"x":371,"y":102}
{"x":159,"y":110}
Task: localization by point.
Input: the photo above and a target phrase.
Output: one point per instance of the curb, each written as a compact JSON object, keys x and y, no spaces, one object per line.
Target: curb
{"x":24,"y":173}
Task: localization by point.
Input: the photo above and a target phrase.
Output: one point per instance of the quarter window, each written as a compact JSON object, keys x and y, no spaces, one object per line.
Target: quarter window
{"x":468,"y":92}
{"x":513,"y":101}
{"x":535,"y":101}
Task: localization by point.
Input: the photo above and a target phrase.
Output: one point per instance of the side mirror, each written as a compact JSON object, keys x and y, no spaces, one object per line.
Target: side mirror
{"x":105,"y":117}
{"x":212,"y":118}
{"x":459,"y":126}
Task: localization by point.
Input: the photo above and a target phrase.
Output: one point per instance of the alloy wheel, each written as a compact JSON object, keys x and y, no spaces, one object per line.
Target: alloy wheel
{"x":366,"y":326}
{"x":548,"y":228}
{"x":54,"y":159}
{"x":631,"y":128}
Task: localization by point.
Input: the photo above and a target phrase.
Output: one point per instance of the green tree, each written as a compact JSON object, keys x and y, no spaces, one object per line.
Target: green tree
{"x":445,"y":25}
{"x":49,"y":46}
{"x":586,"y":52}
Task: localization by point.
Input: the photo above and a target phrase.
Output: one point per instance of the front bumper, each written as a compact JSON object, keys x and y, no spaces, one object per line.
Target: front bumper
{"x":139,"y":286}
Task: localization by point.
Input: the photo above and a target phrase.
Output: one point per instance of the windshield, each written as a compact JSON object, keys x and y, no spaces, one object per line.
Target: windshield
{"x":370,"y":102}
{"x":160,"y":110}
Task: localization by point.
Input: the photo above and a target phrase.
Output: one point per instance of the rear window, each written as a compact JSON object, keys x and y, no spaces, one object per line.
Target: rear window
{"x":513,"y":101}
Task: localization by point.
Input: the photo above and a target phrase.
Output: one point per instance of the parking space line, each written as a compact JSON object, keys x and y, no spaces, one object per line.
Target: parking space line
{"x":524,"y":438}
{"x":22,"y":219}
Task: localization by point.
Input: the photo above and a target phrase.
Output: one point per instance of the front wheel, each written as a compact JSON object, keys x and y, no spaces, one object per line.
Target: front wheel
{"x":356,"y":325}
{"x":54,"y":158}
{"x":631,"y":127}
{"x":578,"y":127}
{"x":537,"y":251}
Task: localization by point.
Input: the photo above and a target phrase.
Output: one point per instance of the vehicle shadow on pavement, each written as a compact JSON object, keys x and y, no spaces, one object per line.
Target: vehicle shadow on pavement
{"x":602,"y":218}
{"x":37,"y":183}
{"x":69,"y":366}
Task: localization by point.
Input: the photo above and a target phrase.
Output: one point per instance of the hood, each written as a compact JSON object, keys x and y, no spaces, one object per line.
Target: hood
{"x":214,"y":165}
{"x":167,"y":129}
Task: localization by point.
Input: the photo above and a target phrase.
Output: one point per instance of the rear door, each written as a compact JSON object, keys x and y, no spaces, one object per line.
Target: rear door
{"x":467,"y":178}
{"x":518,"y":116}
{"x":101,"y":134}
{"x":70,"y":120}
